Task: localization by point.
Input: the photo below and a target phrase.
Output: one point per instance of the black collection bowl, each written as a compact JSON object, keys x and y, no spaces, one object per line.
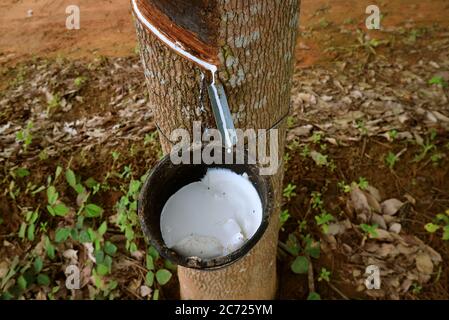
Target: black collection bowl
{"x":166,"y":178}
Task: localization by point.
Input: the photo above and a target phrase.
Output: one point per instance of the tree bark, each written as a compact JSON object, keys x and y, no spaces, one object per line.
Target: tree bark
{"x":255,"y":42}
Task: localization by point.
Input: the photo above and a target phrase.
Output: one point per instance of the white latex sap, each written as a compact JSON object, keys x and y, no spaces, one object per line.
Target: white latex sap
{"x":212,"y":217}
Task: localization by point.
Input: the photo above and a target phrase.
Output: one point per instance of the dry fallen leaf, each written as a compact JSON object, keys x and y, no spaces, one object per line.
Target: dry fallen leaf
{"x":435,"y":256}
{"x":145,"y":291}
{"x":379,"y":220}
{"x":3,"y":269}
{"x":387,"y":249}
{"x":373,"y":202}
{"x":359,"y":201}
{"x":391,"y":206}
{"x":134,"y":285}
{"x":72,"y":255}
{"x":138,"y":254}
{"x":395,"y":227}
{"x":424,"y":263}
{"x":90,"y":251}
{"x":336,"y":228}
{"x":383,"y":235}
{"x":303,"y":131}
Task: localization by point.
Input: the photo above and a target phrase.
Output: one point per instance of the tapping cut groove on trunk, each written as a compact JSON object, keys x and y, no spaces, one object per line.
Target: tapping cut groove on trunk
{"x":184,"y":41}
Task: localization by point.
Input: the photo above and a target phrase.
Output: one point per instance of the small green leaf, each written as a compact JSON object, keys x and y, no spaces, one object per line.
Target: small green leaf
{"x":314,"y":296}
{"x":22,"y":230}
{"x":43,"y":279}
{"x":74,"y":234}
{"x":293,"y":244}
{"x":60,"y":209}
{"x":103,"y":228}
{"x":323,"y":218}
{"x":30,"y":232}
{"x":284,"y":216}
{"x":102,"y":269}
{"x":370,"y":230}
{"x":115,"y":155}
{"x":20,"y":135}
{"x":80,"y":222}
{"x":170,"y":265}
{"x":6,"y":296}
{"x":313,"y":249}
{"x":134,"y":186}
{"x":99,"y":256}
{"x":446,"y":233}
{"x":438,"y":80}
{"x":22,"y":172}
{"x":84,"y":237}
{"x":324,"y":275}
{"x":49,"y":248}
{"x":163,"y":276}
{"x":34,"y":215}
{"x":149,"y":279}
{"x":79,"y":188}
{"x":51,"y":211}
{"x":112,"y":285}
{"x":153,"y":253}
{"x":70,"y":177}
{"x":52,"y":195}
{"x":150,"y":263}
{"x":442,"y":218}
{"x":93,"y":211}
{"x":431,"y":228}
{"x":133,"y":247}
{"x":91,"y":182}
{"x":22,"y":282}
{"x":38,"y":264}
{"x":300,"y":265}
{"x":108,"y":262}
{"x":110,"y":248}
{"x":62,"y":234}
{"x":363,"y":183}
{"x":156,"y":294}
{"x":58,"y":172}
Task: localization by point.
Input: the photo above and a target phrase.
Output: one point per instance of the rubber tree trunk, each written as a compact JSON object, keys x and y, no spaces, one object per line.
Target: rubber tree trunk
{"x":254,"y":44}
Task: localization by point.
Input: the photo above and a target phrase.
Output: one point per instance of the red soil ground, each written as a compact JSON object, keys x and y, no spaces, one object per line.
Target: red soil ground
{"x":107,"y":28}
